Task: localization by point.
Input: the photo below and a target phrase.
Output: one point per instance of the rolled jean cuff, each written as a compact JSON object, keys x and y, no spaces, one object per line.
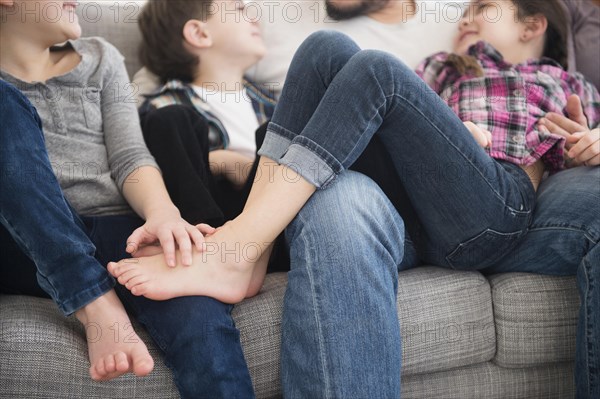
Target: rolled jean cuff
{"x":85,"y":297}
{"x":277,"y":141}
{"x":312,"y":162}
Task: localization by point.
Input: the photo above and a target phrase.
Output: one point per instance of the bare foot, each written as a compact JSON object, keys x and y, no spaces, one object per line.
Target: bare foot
{"x":114,"y":348}
{"x":223,"y":271}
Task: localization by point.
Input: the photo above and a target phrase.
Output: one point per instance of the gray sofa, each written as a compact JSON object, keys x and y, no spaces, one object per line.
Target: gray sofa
{"x":464,"y":335}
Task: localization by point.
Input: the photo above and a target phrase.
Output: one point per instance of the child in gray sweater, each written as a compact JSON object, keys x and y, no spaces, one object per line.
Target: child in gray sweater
{"x":79,"y":188}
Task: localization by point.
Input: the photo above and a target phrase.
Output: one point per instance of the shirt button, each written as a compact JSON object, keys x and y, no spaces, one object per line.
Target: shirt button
{"x":517,"y":93}
{"x":517,"y":139}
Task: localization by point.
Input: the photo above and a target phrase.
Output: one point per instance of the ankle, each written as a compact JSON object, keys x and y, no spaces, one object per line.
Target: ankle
{"x":106,"y":303}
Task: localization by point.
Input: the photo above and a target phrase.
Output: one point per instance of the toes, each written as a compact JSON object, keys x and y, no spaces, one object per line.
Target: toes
{"x":135,"y":281}
{"x":94,"y":374}
{"x":100,"y":369}
{"x":122,"y":363}
{"x":142,"y":361}
{"x":109,"y":364}
{"x":139,"y":290}
{"x":124,"y":278}
{"x":118,"y":269}
{"x":113,"y":268}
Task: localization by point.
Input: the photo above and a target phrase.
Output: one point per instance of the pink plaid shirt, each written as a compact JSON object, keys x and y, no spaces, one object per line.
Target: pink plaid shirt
{"x":510,"y":99}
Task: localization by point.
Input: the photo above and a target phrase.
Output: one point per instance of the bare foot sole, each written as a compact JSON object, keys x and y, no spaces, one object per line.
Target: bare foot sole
{"x":223,"y":271}
{"x":114,"y":347}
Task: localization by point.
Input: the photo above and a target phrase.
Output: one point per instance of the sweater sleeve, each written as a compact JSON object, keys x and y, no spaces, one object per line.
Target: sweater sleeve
{"x":125,"y":146}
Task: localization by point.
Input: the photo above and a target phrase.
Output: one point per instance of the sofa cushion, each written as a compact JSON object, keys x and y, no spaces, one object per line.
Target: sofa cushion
{"x":536,"y":318}
{"x":490,"y":381}
{"x":446,"y":319}
{"x":117,"y":23}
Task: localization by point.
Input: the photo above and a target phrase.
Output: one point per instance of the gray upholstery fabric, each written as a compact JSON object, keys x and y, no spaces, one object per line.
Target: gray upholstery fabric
{"x":44,"y":355}
{"x":489,"y":381}
{"x":536,"y":318}
{"x":446,"y":319}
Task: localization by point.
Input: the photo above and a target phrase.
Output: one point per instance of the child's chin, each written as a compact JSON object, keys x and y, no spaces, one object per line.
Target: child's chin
{"x":74,"y":32}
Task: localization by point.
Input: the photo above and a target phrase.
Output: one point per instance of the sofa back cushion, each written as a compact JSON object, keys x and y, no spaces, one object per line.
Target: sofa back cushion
{"x":117,"y":23}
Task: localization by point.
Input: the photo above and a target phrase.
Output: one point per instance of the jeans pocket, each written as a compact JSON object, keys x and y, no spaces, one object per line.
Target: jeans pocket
{"x":483,"y":250}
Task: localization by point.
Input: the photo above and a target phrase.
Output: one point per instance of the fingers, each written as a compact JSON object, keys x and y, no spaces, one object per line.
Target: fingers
{"x":165,"y":236}
{"x":478,"y":134}
{"x":148,"y":250}
{"x":488,"y":135}
{"x":139,"y":238}
{"x":182,"y":237}
{"x":133,"y":239}
{"x":555,"y":128}
{"x":196,"y":236}
{"x":575,"y":110}
{"x":595,"y":161}
{"x":587,"y":149}
{"x":205,"y":228}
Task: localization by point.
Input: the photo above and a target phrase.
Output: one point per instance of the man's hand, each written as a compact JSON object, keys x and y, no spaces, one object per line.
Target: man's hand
{"x":482,"y":136}
{"x":582,"y":144}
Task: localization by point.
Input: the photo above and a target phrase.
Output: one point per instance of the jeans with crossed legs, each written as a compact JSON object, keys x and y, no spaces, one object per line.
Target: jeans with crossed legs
{"x":470,"y":211}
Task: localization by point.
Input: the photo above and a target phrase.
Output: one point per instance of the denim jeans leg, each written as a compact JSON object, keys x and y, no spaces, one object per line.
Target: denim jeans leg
{"x":314,"y":65}
{"x":472,"y":208}
{"x":340,"y":329}
{"x":563,"y":240}
{"x":36,"y":214}
{"x":196,"y":334}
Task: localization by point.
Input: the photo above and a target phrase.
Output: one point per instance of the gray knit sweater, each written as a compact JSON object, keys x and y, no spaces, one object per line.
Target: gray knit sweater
{"x":91,"y":126}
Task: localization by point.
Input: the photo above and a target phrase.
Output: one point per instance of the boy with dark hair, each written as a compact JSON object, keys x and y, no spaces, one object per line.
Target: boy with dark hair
{"x":200,"y":125}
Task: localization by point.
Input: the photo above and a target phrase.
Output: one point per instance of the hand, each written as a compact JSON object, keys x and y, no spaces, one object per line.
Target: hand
{"x":582,"y":144}
{"x":168,"y":228}
{"x":155,"y":248}
{"x":482,"y":136}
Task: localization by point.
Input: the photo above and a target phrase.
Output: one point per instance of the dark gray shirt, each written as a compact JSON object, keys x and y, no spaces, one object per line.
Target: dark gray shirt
{"x":92,"y":129}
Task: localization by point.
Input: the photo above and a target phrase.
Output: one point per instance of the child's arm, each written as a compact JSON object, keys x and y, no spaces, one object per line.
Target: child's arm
{"x":135,"y":171}
{"x":233,"y":166}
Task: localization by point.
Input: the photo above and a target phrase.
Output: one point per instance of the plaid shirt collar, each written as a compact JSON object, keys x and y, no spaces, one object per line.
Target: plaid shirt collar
{"x":262,"y":103}
{"x":178,"y":92}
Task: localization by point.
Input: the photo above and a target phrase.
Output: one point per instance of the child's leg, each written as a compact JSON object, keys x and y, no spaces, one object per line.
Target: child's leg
{"x":196,"y":334}
{"x":37,"y":216}
{"x":241,"y":245}
{"x":472,"y":209}
{"x":177,"y":137}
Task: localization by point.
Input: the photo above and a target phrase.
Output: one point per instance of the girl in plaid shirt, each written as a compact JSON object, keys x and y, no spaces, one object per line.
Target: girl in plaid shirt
{"x":502,"y":102}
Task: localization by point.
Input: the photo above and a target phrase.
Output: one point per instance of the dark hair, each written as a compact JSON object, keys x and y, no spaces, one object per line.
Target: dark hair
{"x":556,"y":37}
{"x":162,"y":50}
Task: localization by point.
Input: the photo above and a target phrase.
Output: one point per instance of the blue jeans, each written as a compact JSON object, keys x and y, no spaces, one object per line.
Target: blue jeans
{"x":471,"y":210}
{"x":563,"y":240}
{"x":41,"y":235}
